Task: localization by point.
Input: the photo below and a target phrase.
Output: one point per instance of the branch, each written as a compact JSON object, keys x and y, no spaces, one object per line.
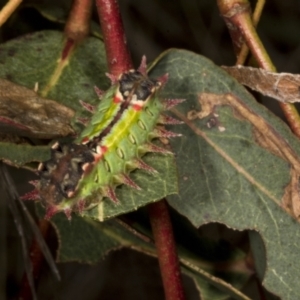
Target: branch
{"x":78,"y":23}
{"x":76,"y":29}
{"x":166,"y":250}
{"x":117,"y":53}
{"x":236,"y":14}
{"x":255,"y":19}
{"x":119,"y":61}
{"x":8,"y":10}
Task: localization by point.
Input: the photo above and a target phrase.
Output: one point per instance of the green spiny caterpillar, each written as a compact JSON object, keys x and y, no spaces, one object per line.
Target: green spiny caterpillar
{"x":79,"y":175}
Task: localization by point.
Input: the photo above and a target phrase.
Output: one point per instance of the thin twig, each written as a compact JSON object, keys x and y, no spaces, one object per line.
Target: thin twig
{"x":218,"y":282}
{"x":76,"y":29}
{"x":12,"y":204}
{"x":166,"y":250}
{"x":264,"y":61}
{"x":244,"y":23}
{"x":78,"y":24}
{"x":255,"y":19}
{"x":238,"y":16}
{"x":8,"y":10}
{"x":37,"y":259}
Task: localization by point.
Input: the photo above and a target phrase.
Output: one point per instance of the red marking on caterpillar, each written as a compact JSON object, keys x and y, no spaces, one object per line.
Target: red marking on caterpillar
{"x":101,"y":150}
{"x":137,"y":107}
{"x":85,"y":140}
{"x":117,"y":99}
{"x":50,"y":212}
{"x":79,"y":175}
{"x":80,"y":206}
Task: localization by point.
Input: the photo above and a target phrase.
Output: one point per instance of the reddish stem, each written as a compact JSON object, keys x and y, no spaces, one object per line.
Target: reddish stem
{"x":229,"y":8}
{"x":260,"y":289}
{"x":292,"y":116}
{"x":119,"y":61}
{"x":78,"y":24}
{"x":166,"y":250}
{"x":117,"y":53}
{"x":36,"y":258}
{"x":76,"y":29}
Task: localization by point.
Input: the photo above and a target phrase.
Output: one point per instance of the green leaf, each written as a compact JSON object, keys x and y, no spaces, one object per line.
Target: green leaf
{"x":238,"y":163}
{"x":217,"y":287}
{"x":87,"y":241}
{"x":37,"y":58}
{"x":20,"y":155}
{"x":33,"y":59}
{"x":153,"y":188}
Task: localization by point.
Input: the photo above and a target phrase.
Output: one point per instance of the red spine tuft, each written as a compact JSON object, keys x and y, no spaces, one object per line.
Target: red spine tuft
{"x":50,"y":212}
{"x":99,"y":92}
{"x":68,"y":213}
{"x":159,"y":132}
{"x":110,"y":193}
{"x":117,"y":99}
{"x":143,"y":66}
{"x":123,"y":178}
{"x":140,"y":164}
{"x":167,"y":120}
{"x":169,"y":103}
{"x":33,"y":195}
{"x":87,"y":106}
{"x":113,"y":78}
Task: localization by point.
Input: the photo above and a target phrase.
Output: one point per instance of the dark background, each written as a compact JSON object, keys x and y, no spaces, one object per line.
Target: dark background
{"x":151,"y":27}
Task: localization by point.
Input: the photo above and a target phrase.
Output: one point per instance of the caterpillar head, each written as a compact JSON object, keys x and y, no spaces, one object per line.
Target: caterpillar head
{"x":134,"y":83}
{"x":59,"y":176}
{"x":136,"y":88}
{"x":73,"y":175}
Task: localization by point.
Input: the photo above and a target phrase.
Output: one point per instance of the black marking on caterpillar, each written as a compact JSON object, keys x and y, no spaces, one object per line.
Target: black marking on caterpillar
{"x":79,"y":175}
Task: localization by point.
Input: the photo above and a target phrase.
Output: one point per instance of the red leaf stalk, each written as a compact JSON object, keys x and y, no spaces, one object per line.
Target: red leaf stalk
{"x":36,"y":258}
{"x":166,"y":250}
{"x":76,"y":29}
{"x":78,"y":23}
{"x":117,"y":53}
{"x":119,"y":61}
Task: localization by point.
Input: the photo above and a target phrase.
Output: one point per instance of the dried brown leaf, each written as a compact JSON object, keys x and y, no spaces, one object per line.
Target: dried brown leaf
{"x":24,"y":112}
{"x":284,"y":87}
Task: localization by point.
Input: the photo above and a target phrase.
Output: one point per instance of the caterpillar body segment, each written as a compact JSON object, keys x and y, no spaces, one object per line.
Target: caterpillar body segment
{"x":79,"y":175}
{"x":105,"y":112}
{"x":123,"y":144}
